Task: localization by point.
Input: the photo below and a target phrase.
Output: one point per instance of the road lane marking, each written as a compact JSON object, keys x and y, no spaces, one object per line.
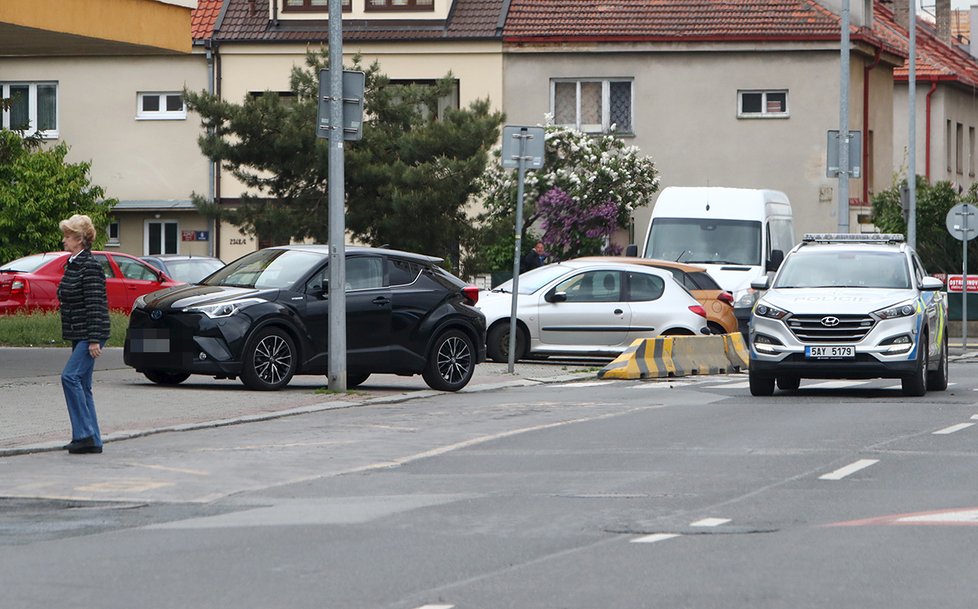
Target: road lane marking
{"x":952,"y":429}
{"x":952,"y":517}
{"x":835,"y":384}
{"x":584,"y":384}
{"x":974,"y":417}
{"x":436,"y":606}
{"x":852,"y":468}
{"x":654,"y":537}
{"x":710,"y":522}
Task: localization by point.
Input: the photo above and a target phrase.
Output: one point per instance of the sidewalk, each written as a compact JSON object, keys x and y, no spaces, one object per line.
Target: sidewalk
{"x":33,"y":417}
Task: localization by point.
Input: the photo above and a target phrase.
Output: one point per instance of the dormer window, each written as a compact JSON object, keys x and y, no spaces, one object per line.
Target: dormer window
{"x":319,"y":6}
{"x":399,"y":5}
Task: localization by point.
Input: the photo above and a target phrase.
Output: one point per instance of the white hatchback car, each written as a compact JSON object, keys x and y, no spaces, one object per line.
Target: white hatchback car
{"x":588,"y":308}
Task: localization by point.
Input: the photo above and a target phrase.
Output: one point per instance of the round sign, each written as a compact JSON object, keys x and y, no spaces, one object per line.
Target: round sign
{"x":962,"y":221}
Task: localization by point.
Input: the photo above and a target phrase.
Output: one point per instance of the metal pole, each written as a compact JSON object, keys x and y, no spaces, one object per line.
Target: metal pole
{"x":912,"y":120}
{"x":964,"y":276}
{"x":337,"y":220}
{"x":844,"y":123}
{"x":516,"y":258}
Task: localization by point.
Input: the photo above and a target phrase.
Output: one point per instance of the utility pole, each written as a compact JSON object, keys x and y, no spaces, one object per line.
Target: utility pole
{"x":844,"y":123}
{"x":912,"y":140}
{"x":337,"y":195}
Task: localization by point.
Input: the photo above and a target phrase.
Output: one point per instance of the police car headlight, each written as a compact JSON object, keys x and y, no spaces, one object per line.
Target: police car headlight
{"x":766,"y":310}
{"x":223,"y":309}
{"x":904,"y":309}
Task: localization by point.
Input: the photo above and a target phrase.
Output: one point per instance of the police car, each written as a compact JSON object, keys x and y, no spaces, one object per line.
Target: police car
{"x":847,"y":306}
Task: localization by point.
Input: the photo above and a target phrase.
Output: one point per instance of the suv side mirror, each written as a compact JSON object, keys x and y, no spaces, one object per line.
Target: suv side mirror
{"x":761,"y":284}
{"x":631,"y":250}
{"x":774,"y":263}
{"x":931,"y":284}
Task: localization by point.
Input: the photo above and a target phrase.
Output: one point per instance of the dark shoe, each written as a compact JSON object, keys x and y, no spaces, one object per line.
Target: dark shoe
{"x":89,"y":441}
{"x":84,"y":446}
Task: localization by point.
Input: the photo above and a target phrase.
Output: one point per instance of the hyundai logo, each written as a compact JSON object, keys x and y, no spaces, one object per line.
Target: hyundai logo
{"x":157,"y":315}
{"x":828,"y":322}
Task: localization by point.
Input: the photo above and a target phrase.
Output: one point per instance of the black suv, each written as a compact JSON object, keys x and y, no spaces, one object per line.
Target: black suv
{"x":264,"y":318}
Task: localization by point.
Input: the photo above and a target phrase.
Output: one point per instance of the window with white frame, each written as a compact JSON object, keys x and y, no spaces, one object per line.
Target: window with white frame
{"x":762,"y":104}
{"x":31,"y":107}
{"x":160,"y":106}
{"x":113,"y":231}
{"x":162,"y":237}
{"x":593,"y":105}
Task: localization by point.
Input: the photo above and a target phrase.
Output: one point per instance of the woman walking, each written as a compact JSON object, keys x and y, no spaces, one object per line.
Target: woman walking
{"x":84,"y":322}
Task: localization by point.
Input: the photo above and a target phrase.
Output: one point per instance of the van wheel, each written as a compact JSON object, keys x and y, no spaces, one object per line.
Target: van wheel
{"x":915,"y":385}
{"x":789,"y":383}
{"x":761,"y":385}
{"x":937,"y":380}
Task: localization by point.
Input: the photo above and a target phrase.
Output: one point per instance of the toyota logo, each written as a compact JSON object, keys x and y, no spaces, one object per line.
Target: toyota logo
{"x":830,"y":322}
{"x":158,"y":315}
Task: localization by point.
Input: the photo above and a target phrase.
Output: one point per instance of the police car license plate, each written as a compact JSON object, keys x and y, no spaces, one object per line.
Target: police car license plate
{"x":830,"y":352}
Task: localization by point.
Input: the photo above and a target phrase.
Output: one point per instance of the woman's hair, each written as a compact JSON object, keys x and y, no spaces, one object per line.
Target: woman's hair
{"x":80,"y":226}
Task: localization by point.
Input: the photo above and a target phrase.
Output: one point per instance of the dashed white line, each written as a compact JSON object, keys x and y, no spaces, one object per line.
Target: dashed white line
{"x":710,"y":522}
{"x":852,"y":468}
{"x":835,"y":384}
{"x":952,"y":429}
{"x":974,"y":417}
{"x":654,"y":537}
{"x":436,"y":607}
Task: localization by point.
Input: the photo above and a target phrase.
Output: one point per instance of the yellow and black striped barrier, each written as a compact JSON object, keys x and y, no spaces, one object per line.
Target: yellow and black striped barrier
{"x":667,"y":356}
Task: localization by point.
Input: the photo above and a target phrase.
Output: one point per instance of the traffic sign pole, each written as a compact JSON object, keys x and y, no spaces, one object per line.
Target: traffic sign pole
{"x":958,"y":221}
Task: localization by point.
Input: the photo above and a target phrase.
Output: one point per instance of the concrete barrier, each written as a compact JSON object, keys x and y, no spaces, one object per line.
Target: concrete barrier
{"x":674,"y":356}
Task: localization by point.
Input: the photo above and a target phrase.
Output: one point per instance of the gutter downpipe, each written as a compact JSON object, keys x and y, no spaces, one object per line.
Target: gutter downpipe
{"x":865,"y":159}
{"x":933,"y":88}
{"x":211,"y":171}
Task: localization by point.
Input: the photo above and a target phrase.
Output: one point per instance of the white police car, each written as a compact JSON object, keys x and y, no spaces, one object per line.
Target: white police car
{"x":847,"y":306}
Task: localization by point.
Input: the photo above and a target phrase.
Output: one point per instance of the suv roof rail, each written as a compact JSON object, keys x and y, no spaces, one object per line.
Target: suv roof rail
{"x":853,"y":238}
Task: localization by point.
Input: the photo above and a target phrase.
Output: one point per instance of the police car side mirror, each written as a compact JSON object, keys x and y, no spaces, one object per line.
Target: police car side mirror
{"x":774,"y":263}
{"x":931,"y":284}
{"x":761,"y":284}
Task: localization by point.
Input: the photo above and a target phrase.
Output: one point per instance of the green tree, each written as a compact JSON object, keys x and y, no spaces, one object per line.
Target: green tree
{"x":591,"y":175}
{"x":407,"y":181}
{"x":38,"y":189}
{"x":939,"y":251}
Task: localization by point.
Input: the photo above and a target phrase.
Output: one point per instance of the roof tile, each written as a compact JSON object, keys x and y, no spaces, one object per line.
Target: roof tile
{"x":202,"y":18}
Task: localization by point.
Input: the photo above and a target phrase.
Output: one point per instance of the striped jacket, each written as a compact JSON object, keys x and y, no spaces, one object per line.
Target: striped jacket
{"x":84,"y":305}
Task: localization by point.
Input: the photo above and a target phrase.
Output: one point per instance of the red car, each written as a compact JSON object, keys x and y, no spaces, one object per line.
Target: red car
{"x":31,"y":283}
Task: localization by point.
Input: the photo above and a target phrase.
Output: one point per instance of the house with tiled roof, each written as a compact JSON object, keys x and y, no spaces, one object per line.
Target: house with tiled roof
{"x":736,"y":93}
{"x":946,"y":96}
{"x":108,"y":83}
{"x":416,"y":41}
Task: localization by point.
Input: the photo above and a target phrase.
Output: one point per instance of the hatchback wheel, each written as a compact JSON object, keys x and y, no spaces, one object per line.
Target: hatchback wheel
{"x":451,"y":362}
{"x":497,"y":343}
{"x":355,"y":380}
{"x":269,"y":360}
{"x":166,"y":378}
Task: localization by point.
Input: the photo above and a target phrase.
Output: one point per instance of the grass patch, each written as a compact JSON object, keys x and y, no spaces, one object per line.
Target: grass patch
{"x":43,"y":329}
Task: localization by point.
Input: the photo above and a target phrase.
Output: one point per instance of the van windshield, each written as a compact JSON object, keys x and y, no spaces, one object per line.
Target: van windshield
{"x":701,"y":241}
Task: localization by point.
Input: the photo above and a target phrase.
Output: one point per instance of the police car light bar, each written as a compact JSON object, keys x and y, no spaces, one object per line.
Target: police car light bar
{"x":853,"y":237}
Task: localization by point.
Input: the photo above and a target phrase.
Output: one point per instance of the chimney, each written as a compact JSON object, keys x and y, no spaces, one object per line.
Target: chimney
{"x":901,"y":13}
{"x":973,"y":29}
{"x":943,"y":17}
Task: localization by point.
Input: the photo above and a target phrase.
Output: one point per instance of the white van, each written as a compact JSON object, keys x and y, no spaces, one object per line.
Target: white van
{"x":737,"y":234}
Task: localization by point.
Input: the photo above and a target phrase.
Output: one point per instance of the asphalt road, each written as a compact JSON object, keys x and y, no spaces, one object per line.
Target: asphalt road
{"x":619,"y":494}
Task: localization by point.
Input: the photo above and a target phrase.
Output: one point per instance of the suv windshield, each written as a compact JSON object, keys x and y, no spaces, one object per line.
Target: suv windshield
{"x":269,"y":268}
{"x":705,"y":241}
{"x":835,"y":268}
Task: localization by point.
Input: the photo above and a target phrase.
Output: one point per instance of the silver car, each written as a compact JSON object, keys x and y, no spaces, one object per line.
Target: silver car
{"x":588,"y":308}
{"x":845,"y":306}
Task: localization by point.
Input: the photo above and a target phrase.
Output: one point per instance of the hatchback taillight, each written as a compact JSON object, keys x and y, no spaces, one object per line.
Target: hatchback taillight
{"x":698,"y":309}
{"x":19,"y":287}
{"x":726,"y":297}
{"x":471,"y":294}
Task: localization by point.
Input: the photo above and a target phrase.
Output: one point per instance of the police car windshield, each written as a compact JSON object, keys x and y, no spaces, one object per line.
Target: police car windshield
{"x":844,"y":269}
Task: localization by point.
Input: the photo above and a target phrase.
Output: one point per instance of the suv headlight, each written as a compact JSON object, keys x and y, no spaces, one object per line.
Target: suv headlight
{"x":765,"y":310}
{"x":223,"y":309}
{"x":139,"y":303}
{"x":904,"y":309}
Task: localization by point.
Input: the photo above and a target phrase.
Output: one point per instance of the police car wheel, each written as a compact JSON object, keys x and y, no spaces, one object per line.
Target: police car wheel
{"x":916,"y":384}
{"x":937,"y":379}
{"x":761,"y":385}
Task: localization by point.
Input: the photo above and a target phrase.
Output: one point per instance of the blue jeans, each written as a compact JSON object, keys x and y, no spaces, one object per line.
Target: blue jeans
{"x":76,"y":380}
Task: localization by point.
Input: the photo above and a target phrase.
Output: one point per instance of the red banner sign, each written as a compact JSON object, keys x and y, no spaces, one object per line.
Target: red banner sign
{"x":955,"y":283}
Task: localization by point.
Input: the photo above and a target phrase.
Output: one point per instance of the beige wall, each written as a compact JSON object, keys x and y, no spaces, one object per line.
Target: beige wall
{"x":131,"y":159}
{"x":686,"y":118}
{"x":477,"y":66}
{"x":132,"y":227}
